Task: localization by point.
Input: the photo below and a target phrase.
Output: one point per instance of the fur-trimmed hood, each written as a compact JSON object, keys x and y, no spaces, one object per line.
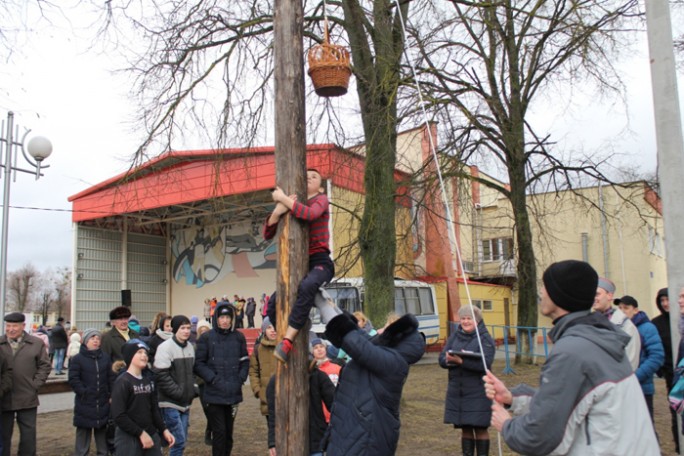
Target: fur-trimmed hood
{"x":403,"y":336}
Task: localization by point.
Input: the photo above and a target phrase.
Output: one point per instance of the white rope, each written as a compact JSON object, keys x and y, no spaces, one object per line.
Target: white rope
{"x":450,"y":222}
{"x":451,"y":230}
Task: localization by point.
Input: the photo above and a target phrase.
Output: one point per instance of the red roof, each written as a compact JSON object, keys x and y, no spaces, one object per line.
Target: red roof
{"x":182,"y":177}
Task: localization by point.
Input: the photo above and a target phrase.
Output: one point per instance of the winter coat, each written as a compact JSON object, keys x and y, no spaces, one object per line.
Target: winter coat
{"x":262,"y":365}
{"x":652,"y":353}
{"x":222,"y":361}
{"x":588,"y":402}
{"x":662,"y":324}
{"x":58,"y":337}
{"x":250,"y":310}
{"x":321,"y":393}
{"x":633,"y":348}
{"x":173,"y":366}
{"x":160,"y":336}
{"x":74,"y":345}
{"x":466,"y":403}
{"x":30,"y":369}
{"x":365,"y":415}
{"x":5,"y":376}
{"x":113,"y":340}
{"x":91,"y":377}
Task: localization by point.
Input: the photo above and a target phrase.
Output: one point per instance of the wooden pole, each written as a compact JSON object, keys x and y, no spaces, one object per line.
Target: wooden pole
{"x":292,"y":384}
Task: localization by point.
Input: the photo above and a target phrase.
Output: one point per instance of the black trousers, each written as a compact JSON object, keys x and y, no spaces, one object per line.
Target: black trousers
{"x":221,"y":418}
{"x":26,"y":419}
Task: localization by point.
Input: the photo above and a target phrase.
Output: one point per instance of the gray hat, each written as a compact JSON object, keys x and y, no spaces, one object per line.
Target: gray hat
{"x":88,"y":333}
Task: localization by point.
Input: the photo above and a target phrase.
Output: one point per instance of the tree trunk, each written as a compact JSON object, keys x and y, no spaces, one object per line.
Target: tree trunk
{"x":526,"y":268}
{"x":292,"y":385}
{"x":377,"y":82}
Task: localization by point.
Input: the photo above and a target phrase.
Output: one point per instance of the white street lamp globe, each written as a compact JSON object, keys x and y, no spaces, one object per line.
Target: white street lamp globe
{"x":39,"y":147}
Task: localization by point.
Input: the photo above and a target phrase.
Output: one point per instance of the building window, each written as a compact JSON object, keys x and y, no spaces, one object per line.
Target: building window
{"x":483,"y":304}
{"x":498,"y":249}
{"x":655,"y":242}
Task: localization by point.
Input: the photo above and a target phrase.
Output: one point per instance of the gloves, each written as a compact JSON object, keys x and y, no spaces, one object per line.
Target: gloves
{"x":339,"y":327}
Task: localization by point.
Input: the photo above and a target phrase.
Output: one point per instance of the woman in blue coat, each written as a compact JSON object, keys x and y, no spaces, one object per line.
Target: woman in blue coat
{"x":91,"y":377}
{"x":467,"y":406}
{"x":364,"y":419}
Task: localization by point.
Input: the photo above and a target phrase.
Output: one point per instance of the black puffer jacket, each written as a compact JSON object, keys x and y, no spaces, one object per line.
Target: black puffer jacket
{"x":365,"y":415}
{"x":466,"y":403}
{"x":222,"y":361}
{"x":91,"y":377}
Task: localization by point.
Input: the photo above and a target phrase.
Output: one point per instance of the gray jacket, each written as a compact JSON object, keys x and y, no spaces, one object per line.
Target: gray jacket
{"x":589,"y":401}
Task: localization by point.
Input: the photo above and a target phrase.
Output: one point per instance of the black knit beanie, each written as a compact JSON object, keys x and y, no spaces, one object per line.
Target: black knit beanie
{"x":178,"y":321}
{"x":571,"y":284}
{"x":130,"y":348}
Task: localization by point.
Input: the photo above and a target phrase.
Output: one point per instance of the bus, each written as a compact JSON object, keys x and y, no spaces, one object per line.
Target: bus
{"x":410,"y":296}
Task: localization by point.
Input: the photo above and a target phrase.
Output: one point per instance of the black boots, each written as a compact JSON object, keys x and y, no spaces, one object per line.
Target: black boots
{"x":468,"y":446}
{"x":482,"y":447}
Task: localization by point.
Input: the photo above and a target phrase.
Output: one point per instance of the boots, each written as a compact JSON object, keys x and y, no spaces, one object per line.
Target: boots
{"x":482,"y":447}
{"x":468,"y":446}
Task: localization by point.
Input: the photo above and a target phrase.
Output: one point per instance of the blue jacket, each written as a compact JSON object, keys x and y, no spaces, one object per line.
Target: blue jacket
{"x":466,"y":403}
{"x":222,"y":361}
{"x":365,"y":415}
{"x":91,"y":377}
{"x":652,"y":354}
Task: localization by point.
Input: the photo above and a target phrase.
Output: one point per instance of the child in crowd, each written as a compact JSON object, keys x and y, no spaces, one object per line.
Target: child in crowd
{"x":135,"y":409}
{"x":321,"y":268}
{"x":203,"y":327}
{"x":332,"y":370}
{"x":262,"y":364}
{"x":74,"y":347}
{"x":91,"y":377}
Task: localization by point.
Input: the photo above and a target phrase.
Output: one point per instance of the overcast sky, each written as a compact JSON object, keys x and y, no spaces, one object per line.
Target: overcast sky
{"x":61,"y":91}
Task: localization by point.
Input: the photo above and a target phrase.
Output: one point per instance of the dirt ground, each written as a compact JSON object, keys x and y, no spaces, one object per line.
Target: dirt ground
{"x":422,"y":432}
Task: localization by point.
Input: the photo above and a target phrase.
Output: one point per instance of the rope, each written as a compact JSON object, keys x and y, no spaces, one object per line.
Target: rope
{"x":449,"y":217}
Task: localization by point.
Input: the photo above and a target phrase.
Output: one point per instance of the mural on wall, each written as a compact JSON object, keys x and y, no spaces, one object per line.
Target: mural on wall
{"x":205,"y":254}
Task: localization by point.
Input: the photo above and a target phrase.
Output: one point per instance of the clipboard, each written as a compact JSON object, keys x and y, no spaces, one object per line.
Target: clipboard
{"x":465,"y":354}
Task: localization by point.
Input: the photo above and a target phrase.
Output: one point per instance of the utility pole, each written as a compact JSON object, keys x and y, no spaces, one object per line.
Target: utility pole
{"x":670,"y":145}
{"x":292,"y":379}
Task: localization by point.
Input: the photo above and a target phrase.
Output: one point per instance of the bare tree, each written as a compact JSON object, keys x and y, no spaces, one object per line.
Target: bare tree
{"x":207,"y":67}
{"x":21,"y":287}
{"x":58,"y":287}
{"x":485,"y":65}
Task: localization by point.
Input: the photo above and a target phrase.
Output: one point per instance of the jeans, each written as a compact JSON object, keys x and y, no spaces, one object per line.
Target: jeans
{"x":59,"y":359}
{"x":83,"y":438}
{"x":177,"y":422}
{"x":26,"y":419}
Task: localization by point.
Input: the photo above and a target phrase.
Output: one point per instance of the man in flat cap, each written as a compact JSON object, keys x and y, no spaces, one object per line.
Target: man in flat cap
{"x":30,"y":366}
{"x":115,"y":338}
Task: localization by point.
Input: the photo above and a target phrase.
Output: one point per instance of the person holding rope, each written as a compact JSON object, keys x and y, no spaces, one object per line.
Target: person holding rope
{"x":589,"y":400}
{"x":466,"y":406}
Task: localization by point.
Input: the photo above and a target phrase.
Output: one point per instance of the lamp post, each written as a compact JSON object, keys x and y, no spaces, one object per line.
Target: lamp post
{"x":39,"y":148}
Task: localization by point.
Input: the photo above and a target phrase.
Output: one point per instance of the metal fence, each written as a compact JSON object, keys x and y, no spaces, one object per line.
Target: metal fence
{"x":509,"y":341}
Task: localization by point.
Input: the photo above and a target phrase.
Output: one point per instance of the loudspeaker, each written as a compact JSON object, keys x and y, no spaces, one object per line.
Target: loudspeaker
{"x":126,"y":298}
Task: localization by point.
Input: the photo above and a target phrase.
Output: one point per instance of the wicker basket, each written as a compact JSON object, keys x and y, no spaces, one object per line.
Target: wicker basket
{"x":329,"y":68}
